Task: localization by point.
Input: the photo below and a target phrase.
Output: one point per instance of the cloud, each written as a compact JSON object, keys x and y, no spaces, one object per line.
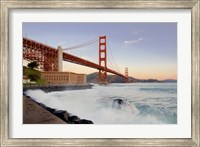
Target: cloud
{"x":128,"y":42}
{"x":137,"y":32}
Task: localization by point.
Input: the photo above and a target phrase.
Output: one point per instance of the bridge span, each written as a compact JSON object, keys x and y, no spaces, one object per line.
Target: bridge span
{"x":47,"y":57}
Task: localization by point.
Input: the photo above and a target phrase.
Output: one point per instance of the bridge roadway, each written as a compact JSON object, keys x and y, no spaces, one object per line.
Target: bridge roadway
{"x":31,"y":44}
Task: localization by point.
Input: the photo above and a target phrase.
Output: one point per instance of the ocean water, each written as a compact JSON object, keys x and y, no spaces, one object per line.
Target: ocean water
{"x":132,"y":103}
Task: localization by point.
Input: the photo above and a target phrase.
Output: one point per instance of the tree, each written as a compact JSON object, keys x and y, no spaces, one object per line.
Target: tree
{"x":33,"y":76}
{"x":33,"y":64}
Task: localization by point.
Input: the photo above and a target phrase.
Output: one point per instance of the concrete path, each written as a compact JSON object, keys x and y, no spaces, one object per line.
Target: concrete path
{"x":35,"y":114}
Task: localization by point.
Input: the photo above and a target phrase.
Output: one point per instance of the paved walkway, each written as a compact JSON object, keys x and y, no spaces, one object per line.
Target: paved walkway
{"x":35,"y":114}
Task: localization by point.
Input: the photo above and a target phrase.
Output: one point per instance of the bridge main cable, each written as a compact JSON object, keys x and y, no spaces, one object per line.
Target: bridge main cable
{"x":82,"y":45}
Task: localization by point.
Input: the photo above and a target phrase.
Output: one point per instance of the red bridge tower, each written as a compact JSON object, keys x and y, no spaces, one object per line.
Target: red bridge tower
{"x":102,"y":60}
{"x":126,"y":74}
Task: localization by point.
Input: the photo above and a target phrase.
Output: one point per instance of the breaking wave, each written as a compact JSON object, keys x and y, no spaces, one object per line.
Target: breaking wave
{"x":137,"y":103}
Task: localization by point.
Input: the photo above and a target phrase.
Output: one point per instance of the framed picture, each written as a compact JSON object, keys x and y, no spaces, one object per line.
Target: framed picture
{"x":100,"y":73}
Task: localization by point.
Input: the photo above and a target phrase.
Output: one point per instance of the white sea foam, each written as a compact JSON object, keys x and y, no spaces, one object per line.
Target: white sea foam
{"x":144,"y":103}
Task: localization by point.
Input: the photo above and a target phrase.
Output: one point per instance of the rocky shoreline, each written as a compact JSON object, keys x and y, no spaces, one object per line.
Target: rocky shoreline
{"x":35,"y":114}
{"x":61,"y":114}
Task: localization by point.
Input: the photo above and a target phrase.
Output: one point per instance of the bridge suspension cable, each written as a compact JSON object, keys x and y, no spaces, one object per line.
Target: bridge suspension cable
{"x":81,"y":45}
{"x":110,"y":56}
{"x":113,"y":59}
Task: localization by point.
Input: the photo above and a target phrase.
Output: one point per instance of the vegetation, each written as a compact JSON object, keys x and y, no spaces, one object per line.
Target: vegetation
{"x":33,"y":75}
{"x":41,"y":81}
{"x":33,"y":65}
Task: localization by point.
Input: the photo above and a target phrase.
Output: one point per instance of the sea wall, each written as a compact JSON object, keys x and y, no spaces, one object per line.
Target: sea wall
{"x":50,"y":87}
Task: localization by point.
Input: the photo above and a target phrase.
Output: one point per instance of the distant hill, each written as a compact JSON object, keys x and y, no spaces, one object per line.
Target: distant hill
{"x":149,"y":80}
{"x":169,"y":81}
{"x":93,"y":78}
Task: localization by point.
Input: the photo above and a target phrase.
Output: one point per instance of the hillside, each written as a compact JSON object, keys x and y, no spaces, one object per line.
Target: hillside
{"x":93,"y":78}
{"x":33,"y":75}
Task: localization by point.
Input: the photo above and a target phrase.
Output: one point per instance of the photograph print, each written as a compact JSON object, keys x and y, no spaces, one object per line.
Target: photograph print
{"x":99,"y":72}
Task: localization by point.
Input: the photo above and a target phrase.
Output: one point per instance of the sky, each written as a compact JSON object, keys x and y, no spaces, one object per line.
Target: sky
{"x":149,"y":50}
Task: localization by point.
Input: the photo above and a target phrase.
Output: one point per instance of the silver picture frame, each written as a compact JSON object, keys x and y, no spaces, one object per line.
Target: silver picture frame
{"x":7,"y":5}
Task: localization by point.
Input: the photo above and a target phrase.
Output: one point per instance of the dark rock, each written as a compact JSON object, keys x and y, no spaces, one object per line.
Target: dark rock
{"x":85,"y":121}
{"x":76,"y":122}
{"x":51,"y":109}
{"x":42,"y":105}
{"x":62,"y":114}
{"x":74,"y":118}
{"x":117,"y":103}
{"x":59,"y":113}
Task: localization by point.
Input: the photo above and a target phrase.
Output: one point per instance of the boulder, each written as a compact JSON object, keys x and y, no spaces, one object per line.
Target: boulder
{"x":50,"y":109}
{"x":85,"y":121}
{"x":74,"y":119}
{"x":117,"y":103}
{"x":62,"y":114}
{"x":42,"y":105}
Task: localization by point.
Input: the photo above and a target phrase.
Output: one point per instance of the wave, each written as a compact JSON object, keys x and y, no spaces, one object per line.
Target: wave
{"x":168,"y":90}
{"x":115,"y":105}
{"x":161,"y":113}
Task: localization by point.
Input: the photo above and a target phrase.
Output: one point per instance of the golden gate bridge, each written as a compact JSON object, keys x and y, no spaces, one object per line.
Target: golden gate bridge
{"x":50,"y":59}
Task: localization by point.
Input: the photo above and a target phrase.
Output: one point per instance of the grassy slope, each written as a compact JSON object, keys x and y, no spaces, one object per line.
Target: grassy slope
{"x":33,"y":74}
